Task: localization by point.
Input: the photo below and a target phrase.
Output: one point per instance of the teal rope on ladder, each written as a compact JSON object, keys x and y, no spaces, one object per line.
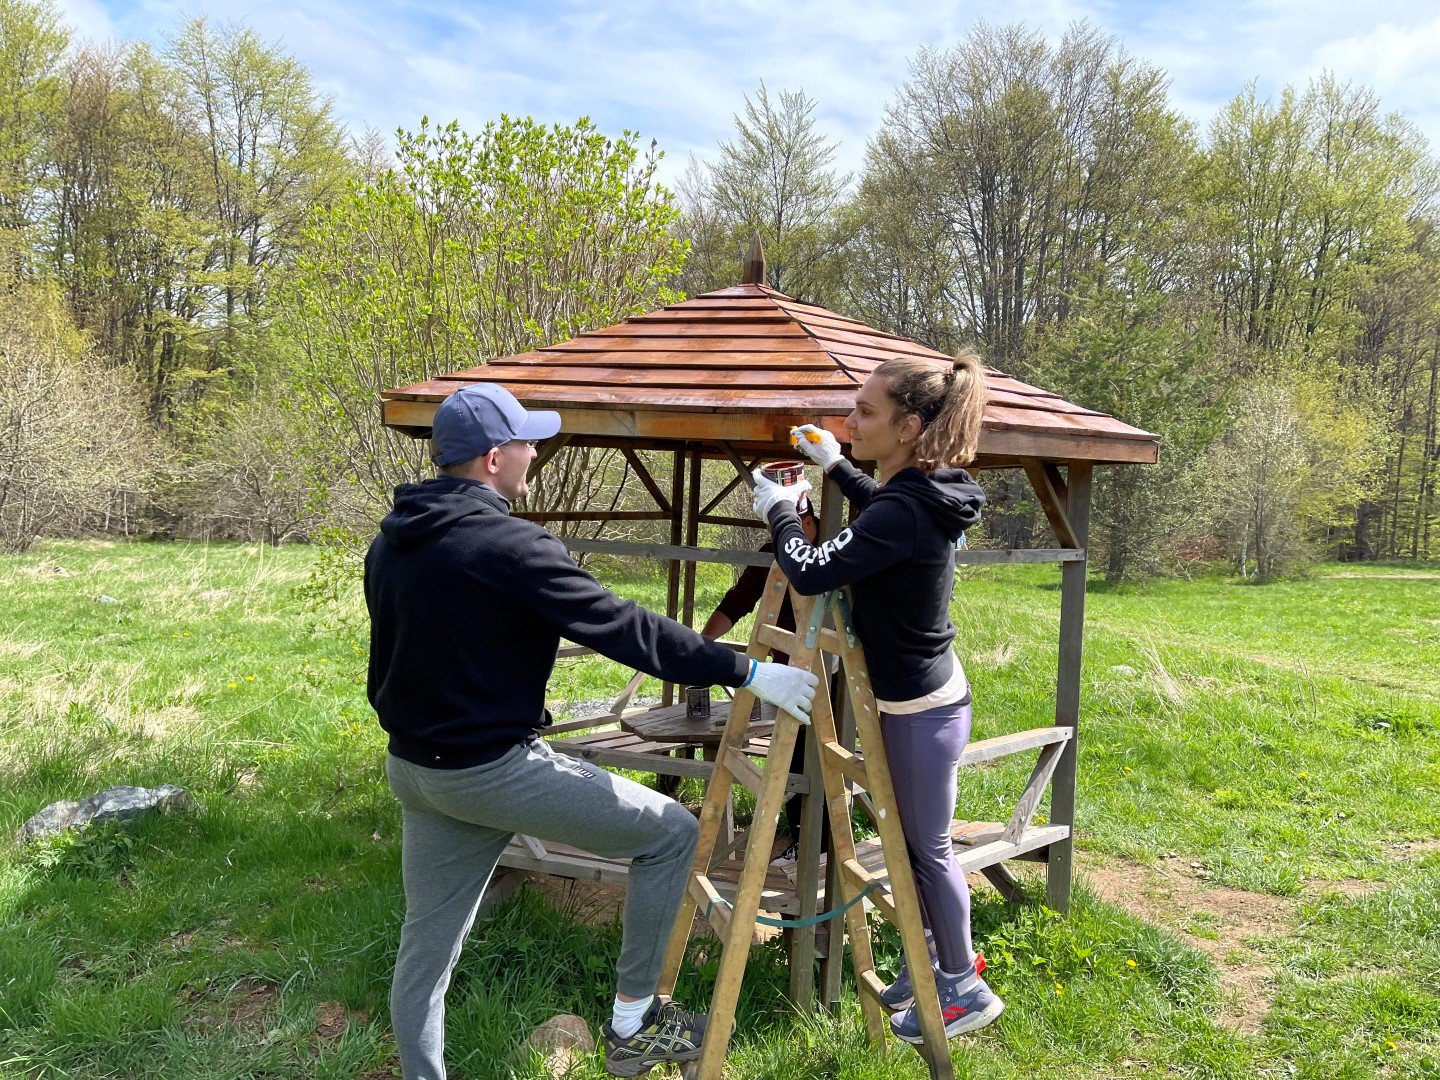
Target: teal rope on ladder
{"x":800,"y":924}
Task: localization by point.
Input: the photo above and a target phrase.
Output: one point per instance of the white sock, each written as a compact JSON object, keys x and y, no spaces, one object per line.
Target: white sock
{"x":626,"y":1016}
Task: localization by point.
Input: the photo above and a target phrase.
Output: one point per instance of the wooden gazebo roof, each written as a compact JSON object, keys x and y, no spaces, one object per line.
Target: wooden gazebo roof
{"x":744,"y":365}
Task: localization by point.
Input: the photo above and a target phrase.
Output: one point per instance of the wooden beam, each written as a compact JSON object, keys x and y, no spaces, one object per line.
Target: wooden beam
{"x":645,"y":478}
{"x":669,"y":552}
{"x":692,"y":539}
{"x":738,"y":522}
{"x":972,"y":557}
{"x":548,"y":449}
{"x":592,"y":515}
{"x":672,"y":577}
{"x":1060,"y":864}
{"x":1051,"y":502}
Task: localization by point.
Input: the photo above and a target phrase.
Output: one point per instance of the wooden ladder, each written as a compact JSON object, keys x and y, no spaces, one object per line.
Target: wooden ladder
{"x":869,"y":770}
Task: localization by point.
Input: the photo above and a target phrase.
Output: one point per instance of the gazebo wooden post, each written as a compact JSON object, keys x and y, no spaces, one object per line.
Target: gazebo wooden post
{"x":1061,"y":856}
{"x":692,"y":536}
{"x":672,"y":580}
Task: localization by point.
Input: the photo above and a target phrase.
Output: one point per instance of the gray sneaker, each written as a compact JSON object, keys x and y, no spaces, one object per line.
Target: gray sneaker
{"x":900,"y":994}
{"x":962,"y":1010}
{"x":667,"y":1033}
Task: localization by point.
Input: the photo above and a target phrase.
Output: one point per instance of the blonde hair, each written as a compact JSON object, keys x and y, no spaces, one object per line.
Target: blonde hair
{"x":950,"y":403}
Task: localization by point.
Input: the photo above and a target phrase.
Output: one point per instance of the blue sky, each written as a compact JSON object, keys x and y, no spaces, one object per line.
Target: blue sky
{"x":679,"y":72}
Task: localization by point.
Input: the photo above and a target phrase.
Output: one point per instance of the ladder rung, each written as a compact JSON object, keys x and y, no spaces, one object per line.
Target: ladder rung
{"x":744,"y":770}
{"x":849,"y":763}
{"x":791,"y":643}
{"x":712,"y":906}
{"x":860,"y":878}
{"x":871,"y":984}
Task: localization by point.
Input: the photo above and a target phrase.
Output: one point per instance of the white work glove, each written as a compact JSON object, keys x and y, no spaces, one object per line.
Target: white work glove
{"x":785,"y":687}
{"x":768,"y":493}
{"x":816,"y":444}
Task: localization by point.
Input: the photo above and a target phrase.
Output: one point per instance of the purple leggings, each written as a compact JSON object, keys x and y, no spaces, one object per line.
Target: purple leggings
{"x":924,"y":751}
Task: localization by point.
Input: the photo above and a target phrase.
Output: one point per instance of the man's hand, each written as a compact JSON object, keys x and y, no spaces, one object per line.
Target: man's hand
{"x":816,"y":444}
{"x":789,"y":688}
{"x":768,"y":493}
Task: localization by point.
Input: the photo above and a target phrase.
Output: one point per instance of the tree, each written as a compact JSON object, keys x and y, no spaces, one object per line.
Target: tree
{"x":1130,"y":354}
{"x":1295,"y":460}
{"x":1041,"y":170}
{"x":72,"y":430}
{"x":775,"y":179}
{"x":32,"y":46}
{"x":472,"y":247}
{"x":183,"y":180}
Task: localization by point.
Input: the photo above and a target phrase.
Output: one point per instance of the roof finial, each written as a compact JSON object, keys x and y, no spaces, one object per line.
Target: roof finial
{"x":754,"y":264}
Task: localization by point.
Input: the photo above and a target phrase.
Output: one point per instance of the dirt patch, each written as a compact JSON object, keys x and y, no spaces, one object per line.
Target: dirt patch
{"x":590,"y":903}
{"x":332,"y":1018}
{"x":1219,"y":921}
{"x":1406,"y":850}
{"x":241,"y":1006}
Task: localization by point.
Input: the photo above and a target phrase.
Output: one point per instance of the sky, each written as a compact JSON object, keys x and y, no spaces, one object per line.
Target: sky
{"x":678,"y":73}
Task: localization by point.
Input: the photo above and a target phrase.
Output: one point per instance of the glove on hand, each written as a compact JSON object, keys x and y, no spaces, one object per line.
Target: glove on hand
{"x":816,"y":444}
{"x":768,"y":493}
{"x":785,"y":687}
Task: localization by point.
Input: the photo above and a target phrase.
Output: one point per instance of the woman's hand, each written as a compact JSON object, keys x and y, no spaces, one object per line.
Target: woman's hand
{"x":768,"y":493}
{"x":816,"y":444}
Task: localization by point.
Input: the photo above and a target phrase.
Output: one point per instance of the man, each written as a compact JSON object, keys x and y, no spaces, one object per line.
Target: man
{"x":467,"y":607}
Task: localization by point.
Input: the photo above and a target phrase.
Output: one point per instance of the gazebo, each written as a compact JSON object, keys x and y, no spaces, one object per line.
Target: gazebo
{"x":725,"y":376}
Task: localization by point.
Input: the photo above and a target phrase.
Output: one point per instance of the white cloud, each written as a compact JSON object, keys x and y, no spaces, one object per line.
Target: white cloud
{"x":679,"y":73}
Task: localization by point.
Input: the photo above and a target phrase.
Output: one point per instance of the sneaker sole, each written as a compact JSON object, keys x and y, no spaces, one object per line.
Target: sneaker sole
{"x":900,"y":1006}
{"x":962,"y":1025}
{"x":639,"y":1066}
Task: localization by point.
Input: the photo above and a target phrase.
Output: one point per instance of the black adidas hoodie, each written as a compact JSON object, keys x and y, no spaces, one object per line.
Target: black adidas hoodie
{"x":467,"y":607}
{"x":898,"y":556}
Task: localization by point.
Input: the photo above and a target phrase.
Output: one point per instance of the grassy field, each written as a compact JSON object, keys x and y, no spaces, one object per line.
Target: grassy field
{"x":1259,"y":837}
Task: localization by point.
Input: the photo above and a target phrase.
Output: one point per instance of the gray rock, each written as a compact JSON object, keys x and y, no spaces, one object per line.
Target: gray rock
{"x":121,"y":803}
{"x":562,"y":1041}
{"x":103,"y":599}
{"x":1123,"y":669}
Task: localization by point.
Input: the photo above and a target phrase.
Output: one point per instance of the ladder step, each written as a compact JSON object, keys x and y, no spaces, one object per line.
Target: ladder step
{"x":860,"y":878}
{"x":851,"y":764}
{"x":871,"y":984}
{"x":713,"y":908}
{"x":1015,"y":743}
{"x":744,"y":770}
{"x":790,"y":643}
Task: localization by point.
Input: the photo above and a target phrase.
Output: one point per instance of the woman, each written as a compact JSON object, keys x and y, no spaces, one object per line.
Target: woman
{"x":917,"y":421}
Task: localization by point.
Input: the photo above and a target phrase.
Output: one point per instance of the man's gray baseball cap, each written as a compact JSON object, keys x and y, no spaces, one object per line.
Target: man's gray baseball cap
{"x":475,"y":419}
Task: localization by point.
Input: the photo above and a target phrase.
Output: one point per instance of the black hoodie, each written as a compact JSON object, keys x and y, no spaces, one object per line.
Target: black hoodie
{"x":898,"y":555}
{"x":467,"y":607}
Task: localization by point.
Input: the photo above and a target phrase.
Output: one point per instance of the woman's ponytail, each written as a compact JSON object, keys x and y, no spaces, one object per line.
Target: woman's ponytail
{"x":950,"y":403}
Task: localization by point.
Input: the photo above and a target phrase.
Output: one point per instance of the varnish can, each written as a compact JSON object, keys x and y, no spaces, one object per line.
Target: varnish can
{"x":784,"y":473}
{"x":697,"y":703}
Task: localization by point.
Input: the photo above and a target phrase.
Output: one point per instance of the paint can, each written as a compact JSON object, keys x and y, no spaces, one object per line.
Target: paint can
{"x":697,"y":703}
{"x":784,"y":473}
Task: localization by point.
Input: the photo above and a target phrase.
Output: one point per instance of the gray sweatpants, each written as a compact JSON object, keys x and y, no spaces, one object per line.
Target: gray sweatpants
{"x":456,"y":824}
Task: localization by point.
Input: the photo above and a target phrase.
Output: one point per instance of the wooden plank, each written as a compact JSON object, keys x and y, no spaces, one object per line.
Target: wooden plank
{"x":1015,"y":743}
{"x":655,"y":377}
{"x":737,"y":522}
{"x":669,"y":552}
{"x":592,"y":515}
{"x":692,"y":539}
{"x":641,"y":356}
{"x":974,"y":557}
{"x":672,"y":574}
{"x":582,"y":867}
{"x":1059,"y":868}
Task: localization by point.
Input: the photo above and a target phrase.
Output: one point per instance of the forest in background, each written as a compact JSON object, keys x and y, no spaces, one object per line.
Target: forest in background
{"x":206,"y":280}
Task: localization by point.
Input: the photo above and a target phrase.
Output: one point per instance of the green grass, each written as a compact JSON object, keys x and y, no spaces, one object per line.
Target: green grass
{"x":1283,"y":738}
